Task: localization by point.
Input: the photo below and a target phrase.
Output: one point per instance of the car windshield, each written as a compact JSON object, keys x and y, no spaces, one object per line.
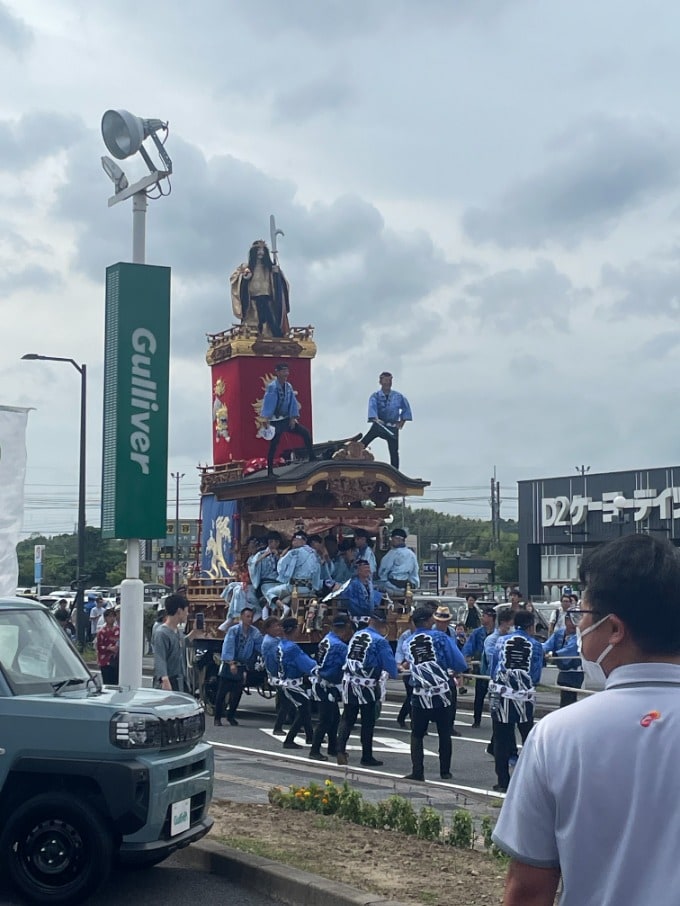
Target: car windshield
{"x":35,"y":655}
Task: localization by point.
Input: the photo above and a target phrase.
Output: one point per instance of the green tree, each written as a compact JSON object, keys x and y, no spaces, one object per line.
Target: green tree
{"x":104,"y":560}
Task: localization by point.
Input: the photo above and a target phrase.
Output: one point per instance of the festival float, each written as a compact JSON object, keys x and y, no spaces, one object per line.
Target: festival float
{"x":342,"y":489}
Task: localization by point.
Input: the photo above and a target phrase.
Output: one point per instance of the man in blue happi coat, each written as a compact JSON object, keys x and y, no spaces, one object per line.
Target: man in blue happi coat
{"x":293,"y":670}
{"x":516,"y":667}
{"x":327,"y":686}
{"x":360,"y":597}
{"x":298,"y":567}
{"x":389,"y":411}
{"x":431,"y":657}
{"x":562,"y":650}
{"x":369,"y":660}
{"x":281,"y":411}
{"x":399,"y":566}
{"x":240,"y":649}
{"x":474,"y":650}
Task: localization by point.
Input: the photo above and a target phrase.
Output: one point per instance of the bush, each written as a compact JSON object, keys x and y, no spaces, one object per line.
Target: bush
{"x":462,"y":830}
{"x":429,"y":823}
{"x":398,"y":814}
{"x":393,"y":813}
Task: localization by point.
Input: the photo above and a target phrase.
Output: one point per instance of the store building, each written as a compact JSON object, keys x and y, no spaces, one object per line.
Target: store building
{"x":560,"y":517}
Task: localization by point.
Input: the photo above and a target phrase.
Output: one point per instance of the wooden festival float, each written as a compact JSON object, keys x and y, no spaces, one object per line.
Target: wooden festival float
{"x":344,"y":489}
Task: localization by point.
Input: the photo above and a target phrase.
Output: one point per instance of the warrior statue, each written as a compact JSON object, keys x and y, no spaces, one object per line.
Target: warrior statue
{"x":259,"y":291}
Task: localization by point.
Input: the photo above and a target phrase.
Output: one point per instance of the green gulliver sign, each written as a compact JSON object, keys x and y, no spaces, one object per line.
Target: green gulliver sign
{"x":136,"y":378}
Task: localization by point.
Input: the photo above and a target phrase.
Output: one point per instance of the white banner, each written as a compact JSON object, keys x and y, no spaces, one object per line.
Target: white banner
{"x":12,"y":475}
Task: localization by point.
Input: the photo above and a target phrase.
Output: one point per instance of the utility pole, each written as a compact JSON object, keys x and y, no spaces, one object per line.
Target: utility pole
{"x":583,"y":470}
{"x":177,"y":476}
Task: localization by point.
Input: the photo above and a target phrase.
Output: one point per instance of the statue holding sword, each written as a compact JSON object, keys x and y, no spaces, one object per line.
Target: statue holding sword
{"x":259,"y":290}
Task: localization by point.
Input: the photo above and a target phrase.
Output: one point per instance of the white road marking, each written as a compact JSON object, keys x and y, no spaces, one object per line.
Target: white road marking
{"x":286,"y":756}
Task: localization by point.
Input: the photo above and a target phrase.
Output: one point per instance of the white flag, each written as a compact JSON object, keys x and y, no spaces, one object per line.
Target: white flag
{"x":12,"y":476}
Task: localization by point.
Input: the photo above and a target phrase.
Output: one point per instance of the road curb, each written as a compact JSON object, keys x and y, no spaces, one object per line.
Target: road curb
{"x":283,"y":882}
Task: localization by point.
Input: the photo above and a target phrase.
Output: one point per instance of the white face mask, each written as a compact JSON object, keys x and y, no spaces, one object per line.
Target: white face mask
{"x":593,"y":671}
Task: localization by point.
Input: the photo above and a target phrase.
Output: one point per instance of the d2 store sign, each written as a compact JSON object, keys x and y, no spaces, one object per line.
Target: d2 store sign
{"x":136,"y":381}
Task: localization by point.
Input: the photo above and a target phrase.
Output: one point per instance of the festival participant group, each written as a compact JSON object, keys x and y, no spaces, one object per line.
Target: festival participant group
{"x":321,"y":699}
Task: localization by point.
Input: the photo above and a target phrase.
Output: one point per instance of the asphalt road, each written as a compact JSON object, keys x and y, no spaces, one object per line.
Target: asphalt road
{"x":249,"y":760}
{"x":168,"y":884}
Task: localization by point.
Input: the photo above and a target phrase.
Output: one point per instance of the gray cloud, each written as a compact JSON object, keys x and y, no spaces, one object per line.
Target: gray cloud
{"x":601,"y":168}
{"x":514,"y":299}
{"x":14,"y":33}
{"x":345,"y":267}
{"x":328,"y":94}
{"x":33,"y":276}
{"x":644,"y":289}
{"x":35,"y":136}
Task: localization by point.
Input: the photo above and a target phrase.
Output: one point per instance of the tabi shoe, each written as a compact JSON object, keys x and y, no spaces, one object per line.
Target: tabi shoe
{"x":419,"y":777}
{"x":402,"y":723}
{"x":341,"y":758}
{"x":291,"y":744}
{"x":277,"y":731}
{"x":317,"y":756}
{"x":455,"y":733}
{"x":233,"y":721}
{"x":371,"y":762}
{"x":499,"y":789}
{"x":217,"y":722}
{"x":476,"y":725}
{"x":447,"y":775}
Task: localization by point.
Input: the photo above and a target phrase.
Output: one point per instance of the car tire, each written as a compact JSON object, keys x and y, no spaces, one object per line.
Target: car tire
{"x":56,"y":848}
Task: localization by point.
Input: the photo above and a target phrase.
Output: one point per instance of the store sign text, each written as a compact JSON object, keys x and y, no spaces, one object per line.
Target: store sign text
{"x":566,"y":511}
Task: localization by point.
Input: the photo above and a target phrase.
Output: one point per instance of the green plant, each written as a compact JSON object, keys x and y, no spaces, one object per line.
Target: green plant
{"x":398,"y":813}
{"x":487,"y":830}
{"x":429,"y":823}
{"x":462,"y":830}
{"x":350,"y":804}
{"x":371,"y":815}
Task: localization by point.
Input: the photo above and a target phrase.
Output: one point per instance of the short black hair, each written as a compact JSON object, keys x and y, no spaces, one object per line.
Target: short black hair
{"x":317,"y":538}
{"x":62,"y":616}
{"x":421,"y":615}
{"x":281,"y":366}
{"x":385,"y":374}
{"x":269,"y":622}
{"x":504,"y":615}
{"x":173,"y":603}
{"x":347,"y":544}
{"x":524,"y":619}
{"x":362,"y":533}
{"x":637,"y":578}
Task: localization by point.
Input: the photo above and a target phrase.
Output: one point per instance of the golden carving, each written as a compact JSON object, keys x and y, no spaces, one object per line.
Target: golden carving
{"x":244,"y":340}
{"x":351,"y":489}
{"x":354,"y":449}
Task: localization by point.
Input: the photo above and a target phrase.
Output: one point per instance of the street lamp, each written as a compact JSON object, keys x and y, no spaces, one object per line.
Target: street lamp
{"x":80,"y":567}
{"x":177,"y":476}
{"x":124,"y":136}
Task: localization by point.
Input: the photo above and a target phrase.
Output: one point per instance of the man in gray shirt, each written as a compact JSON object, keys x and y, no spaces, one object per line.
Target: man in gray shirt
{"x":169,"y":661}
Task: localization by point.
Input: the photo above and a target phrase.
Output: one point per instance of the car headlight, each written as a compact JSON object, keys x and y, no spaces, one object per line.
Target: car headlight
{"x":135,"y":731}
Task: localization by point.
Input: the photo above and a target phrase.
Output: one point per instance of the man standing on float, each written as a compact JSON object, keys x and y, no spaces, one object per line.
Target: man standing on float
{"x":389,"y":411}
{"x":281,"y":410}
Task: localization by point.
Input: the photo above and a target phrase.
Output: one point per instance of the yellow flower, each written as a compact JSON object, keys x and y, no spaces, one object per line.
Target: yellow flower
{"x":307,"y":794}
{"x":325,"y":800}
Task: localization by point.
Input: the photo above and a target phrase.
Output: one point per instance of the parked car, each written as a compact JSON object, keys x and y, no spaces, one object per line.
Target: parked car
{"x":126,"y":778}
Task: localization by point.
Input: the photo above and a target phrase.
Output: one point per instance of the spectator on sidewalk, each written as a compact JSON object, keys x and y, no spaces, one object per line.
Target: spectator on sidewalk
{"x":610,"y":799}
{"x":107,"y":643}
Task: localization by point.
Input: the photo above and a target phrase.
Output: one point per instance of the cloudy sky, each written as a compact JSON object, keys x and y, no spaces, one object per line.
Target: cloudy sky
{"x":481,"y":196}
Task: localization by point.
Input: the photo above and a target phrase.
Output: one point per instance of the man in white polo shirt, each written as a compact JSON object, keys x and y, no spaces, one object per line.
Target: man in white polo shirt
{"x":593,"y":795}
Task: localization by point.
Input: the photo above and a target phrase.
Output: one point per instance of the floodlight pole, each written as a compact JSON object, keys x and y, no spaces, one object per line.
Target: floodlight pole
{"x":132,"y":587}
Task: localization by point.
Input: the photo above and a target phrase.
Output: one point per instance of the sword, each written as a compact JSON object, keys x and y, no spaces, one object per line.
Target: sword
{"x":274,"y":232}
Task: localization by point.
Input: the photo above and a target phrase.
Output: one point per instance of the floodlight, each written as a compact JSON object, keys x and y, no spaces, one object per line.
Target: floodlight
{"x":115,"y":174}
{"x":124,"y":133}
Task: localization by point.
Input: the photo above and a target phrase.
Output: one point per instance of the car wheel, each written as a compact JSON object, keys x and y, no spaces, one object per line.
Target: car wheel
{"x":56,"y":848}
